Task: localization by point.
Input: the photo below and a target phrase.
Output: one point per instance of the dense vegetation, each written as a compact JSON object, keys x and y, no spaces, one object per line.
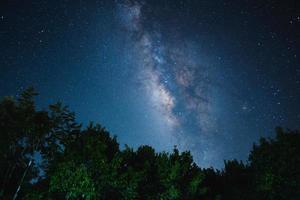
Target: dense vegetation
{"x":46,"y":154}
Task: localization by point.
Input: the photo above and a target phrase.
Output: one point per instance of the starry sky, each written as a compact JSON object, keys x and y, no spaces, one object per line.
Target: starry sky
{"x":208,"y":76}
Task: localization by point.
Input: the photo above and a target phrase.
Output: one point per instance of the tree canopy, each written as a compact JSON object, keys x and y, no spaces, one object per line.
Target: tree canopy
{"x":47,"y":154}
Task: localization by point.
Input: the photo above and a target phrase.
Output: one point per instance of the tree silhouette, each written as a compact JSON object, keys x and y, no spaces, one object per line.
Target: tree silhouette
{"x":46,"y":154}
{"x":276,"y":166}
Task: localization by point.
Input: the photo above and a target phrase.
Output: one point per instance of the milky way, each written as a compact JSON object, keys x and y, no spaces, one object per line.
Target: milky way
{"x":176,"y":84}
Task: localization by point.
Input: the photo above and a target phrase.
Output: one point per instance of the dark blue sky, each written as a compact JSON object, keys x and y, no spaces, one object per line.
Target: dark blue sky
{"x":208,"y":76}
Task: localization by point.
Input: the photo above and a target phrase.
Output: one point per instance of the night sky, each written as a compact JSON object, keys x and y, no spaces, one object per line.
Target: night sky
{"x":207,"y":76}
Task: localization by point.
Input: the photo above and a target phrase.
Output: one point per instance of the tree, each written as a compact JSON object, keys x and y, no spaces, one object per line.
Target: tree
{"x":23,"y":131}
{"x":276,"y":165}
{"x":26,"y":132}
{"x":87,"y":163}
{"x":237,"y":179}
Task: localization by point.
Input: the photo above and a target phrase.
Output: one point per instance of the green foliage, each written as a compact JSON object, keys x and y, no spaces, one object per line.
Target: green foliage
{"x":22,"y":132}
{"x":72,"y":180}
{"x":276,"y":165}
{"x":87,"y":163}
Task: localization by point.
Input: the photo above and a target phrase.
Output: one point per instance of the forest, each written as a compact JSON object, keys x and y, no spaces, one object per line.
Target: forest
{"x":47,"y":154}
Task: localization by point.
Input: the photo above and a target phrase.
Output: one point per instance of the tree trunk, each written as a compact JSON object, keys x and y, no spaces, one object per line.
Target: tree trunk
{"x":21,"y":182}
